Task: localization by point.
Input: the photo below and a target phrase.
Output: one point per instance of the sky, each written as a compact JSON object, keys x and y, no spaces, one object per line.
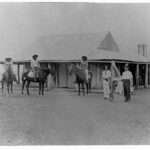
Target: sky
{"x":22,"y":24}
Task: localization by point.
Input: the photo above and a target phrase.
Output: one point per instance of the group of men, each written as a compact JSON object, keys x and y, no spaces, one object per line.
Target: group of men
{"x":127,"y":79}
{"x":34,"y":67}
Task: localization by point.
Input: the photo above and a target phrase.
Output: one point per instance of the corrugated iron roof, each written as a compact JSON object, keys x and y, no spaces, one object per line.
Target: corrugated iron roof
{"x":72,"y":47}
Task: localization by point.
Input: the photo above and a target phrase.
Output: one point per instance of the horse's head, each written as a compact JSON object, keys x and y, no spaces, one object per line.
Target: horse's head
{"x":8,"y":69}
{"x":9,"y":73}
{"x":71,"y":69}
{"x":74,"y":68}
{"x":52,"y":71}
{"x":46,"y":71}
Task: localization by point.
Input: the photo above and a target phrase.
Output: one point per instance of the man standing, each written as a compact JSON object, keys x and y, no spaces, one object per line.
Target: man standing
{"x":127,"y":82}
{"x":106,"y":82}
{"x":35,"y":66}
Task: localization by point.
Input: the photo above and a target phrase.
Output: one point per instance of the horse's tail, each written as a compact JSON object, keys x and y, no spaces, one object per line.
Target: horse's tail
{"x":25,"y":75}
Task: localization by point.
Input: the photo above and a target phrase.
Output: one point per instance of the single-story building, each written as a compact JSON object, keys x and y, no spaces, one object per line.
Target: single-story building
{"x":60,"y":51}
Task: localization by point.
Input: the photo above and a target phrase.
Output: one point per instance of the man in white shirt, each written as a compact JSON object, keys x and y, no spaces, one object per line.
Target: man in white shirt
{"x":8,"y":62}
{"x":106,"y":82}
{"x":35,"y":66}
{"x":127,"y":82}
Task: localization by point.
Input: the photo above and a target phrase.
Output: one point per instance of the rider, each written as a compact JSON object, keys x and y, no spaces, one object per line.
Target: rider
{"x":35,"y":66}
{"x":8,"y":62}
{"x":83,"y":66}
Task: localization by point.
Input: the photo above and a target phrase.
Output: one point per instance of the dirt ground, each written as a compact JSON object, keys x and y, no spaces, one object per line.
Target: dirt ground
{"x":61,"y":117}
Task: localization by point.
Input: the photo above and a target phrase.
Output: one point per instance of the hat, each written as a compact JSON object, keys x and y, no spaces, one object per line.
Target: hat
{"x":8,"y":59}
{"x":34,"y":56}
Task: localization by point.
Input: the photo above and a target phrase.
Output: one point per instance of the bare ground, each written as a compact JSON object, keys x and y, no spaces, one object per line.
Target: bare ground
{"x":61,"y":117}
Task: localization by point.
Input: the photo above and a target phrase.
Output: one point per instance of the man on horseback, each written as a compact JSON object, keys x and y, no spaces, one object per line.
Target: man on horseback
{"x":8,"y":63}
{"x":35,"y":66}
{"x":84,"y":66}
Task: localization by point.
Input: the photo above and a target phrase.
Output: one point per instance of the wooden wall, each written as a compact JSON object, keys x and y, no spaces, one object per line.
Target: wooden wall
{"x":63,"y":75}
{"x":63,"y":79}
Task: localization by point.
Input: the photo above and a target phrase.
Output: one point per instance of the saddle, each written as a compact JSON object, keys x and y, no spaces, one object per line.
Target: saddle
{"x":33,"y":72}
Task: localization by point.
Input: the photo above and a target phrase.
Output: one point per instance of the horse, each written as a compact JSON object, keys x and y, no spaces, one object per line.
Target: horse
{"x":112,"y":90}
{"x":116,"y":88}
{"x":8,"y":78}
{"x":81,"y":78}
{"x":42,"y":77}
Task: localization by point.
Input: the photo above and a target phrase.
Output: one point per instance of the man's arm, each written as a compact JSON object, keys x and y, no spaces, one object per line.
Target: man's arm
{"x":32,"y":66}
{"x":103,"y":75}
{"x":38,"y":64}
{"x":131,"y":79}
{"x":86,"y":65}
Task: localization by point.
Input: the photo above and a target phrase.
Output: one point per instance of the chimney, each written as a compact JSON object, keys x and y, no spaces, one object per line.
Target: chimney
{"x":142,"y":49}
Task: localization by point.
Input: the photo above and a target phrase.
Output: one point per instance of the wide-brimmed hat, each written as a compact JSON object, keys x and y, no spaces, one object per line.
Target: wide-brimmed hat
{"x":34,"y":56}
{"x":8,"y":59}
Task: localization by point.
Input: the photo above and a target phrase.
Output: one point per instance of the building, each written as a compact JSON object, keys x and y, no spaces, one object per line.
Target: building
{"x":62,"y":50}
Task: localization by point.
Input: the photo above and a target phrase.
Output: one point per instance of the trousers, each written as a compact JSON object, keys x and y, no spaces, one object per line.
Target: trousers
{"x":106,"y":89}
{"x":35,"y":71}
{"x":126,"y":87}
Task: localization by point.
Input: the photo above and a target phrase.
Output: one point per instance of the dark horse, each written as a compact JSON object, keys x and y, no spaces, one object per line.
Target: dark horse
{"x":8,"y":78}
{"x":42,"y":77}
{"x":81,"y":78}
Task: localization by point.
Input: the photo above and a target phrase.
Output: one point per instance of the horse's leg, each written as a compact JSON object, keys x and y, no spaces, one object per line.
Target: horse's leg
{"x":43,"y":88}
{"x":87,"y":88}
{"x":39,"y":88}
{"x":2,"y":86}
{"x":28,"y":83}
{"x":112,"y":95}
{"x":83,"y":89}
{"x":7,"y":89}
{"x":79,"y":89}
{"x":23,"y":84}
{"x":11,"y":88}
